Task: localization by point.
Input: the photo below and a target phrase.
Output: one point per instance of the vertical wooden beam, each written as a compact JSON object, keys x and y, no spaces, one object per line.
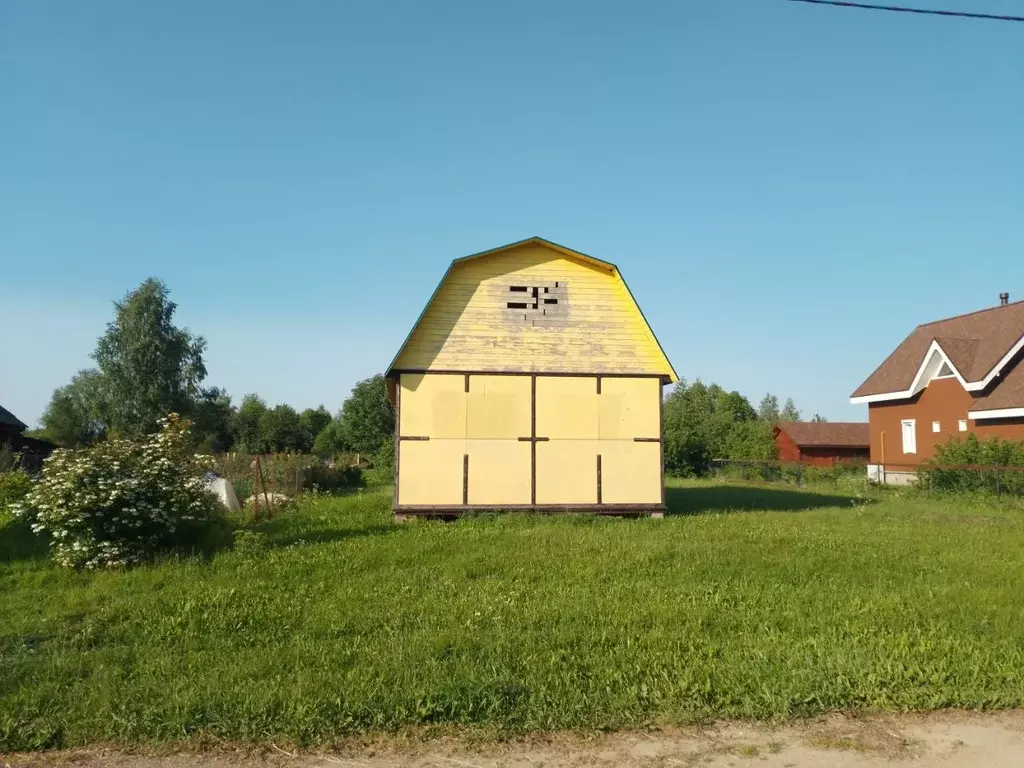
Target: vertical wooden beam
{"x":533,"y":439}
{"x":398,"y":431}
{"x":467,"y":382}
{"x":465,"y":478}
{"x":661,"y":442}
{"x":599,"y":385}
{"x":599,"y":479}
{"x":255,"y":491}
{"x":263,"y":483}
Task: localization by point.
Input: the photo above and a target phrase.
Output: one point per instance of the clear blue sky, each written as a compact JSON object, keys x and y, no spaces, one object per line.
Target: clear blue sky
{"x":788,"y":189}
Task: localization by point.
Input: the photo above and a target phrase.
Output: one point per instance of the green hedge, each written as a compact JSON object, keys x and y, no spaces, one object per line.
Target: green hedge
{"x":980,"y":453}
{"x":840,"y":474}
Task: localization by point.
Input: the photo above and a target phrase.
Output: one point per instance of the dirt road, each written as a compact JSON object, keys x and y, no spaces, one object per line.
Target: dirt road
{"x":945,"y":740}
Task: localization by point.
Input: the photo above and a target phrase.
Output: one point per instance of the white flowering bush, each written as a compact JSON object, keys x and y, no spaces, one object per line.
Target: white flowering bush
{"x":122,"y":501}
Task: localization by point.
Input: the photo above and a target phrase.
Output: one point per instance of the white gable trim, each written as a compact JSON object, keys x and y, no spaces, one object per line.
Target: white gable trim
{"x":999,"y":413}
{"x":930,"y":367}
{"x":998,"y":367}
{"x":920,"y":382}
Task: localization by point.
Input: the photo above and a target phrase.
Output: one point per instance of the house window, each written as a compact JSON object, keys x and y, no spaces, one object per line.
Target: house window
{"x":963,"y":425}
{"x":909,"y":436}
{"x":936,"y":426}
{"x":945,"y":372}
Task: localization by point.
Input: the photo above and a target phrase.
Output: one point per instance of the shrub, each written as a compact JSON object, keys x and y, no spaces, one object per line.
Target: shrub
{"x":331,"y":479}
{"x":843,"y":474}
{"x":974,"y":452}
{"x":686,"y":456}
{"x":14,"y":486}
{"x":383,"y":470}
{"x":330,"y":442}
{"x":122,"y":501}
{"x":243,"y":488}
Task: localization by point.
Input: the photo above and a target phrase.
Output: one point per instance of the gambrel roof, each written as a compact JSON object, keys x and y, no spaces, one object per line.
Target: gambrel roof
{"x":464,"y":323}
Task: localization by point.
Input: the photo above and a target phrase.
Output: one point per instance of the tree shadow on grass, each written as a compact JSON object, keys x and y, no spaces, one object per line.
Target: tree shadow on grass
{"x":18,"y":543}
{"x":282,"y":532}
{"x":328,"y":536}
{"x":737,"y":498}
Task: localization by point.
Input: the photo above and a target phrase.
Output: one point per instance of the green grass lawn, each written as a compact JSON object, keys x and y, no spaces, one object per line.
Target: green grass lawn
{"x":748,"y":602}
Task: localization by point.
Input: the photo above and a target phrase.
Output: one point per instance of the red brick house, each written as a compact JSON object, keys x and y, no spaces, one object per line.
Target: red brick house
{"x":963,"y":375}
{"x":821,"y":443}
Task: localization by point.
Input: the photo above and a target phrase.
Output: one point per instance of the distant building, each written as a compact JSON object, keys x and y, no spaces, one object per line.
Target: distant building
{"x":11,"y":426}
{"x":32,"y":450}
{"x":822,"y":443}
{"x":531,"y":380}
{"x":954,"y":377}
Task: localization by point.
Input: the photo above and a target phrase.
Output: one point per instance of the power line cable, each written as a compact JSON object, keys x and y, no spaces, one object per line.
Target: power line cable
{"x":902,"y":9}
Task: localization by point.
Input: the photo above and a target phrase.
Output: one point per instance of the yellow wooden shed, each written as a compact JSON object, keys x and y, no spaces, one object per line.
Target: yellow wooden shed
{"x":531,"y":380}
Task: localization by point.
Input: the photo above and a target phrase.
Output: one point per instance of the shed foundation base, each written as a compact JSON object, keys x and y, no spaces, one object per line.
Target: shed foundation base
{"x":409,"y":512}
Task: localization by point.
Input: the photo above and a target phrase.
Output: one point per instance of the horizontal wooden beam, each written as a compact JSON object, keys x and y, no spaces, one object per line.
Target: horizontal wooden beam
{"x":602,"y":509}
{"x":576,"y":374}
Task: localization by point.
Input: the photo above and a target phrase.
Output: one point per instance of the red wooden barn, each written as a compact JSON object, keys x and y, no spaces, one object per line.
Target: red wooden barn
{"x":822,"y":443}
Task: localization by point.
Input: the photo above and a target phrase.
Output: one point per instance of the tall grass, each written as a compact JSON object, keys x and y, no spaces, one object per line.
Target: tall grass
{"x":750,"y":602}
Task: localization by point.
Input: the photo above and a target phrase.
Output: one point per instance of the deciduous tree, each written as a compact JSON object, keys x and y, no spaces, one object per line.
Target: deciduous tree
{"x":281,"y":430}
{"x":367,"y":420}
{"x":768,"y":410}
{"x":789,"y":411}
{"x":75,"y":416}
{"x":150,"y":366}
{"x":247,"y":424}
{"x":313,"y":421}
{"x":213,"y":421}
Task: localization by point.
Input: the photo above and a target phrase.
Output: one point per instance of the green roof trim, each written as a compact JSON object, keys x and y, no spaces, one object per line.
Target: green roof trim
{"x":538,"y":241}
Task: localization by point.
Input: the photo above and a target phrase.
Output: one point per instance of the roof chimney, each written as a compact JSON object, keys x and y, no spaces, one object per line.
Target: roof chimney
{"x":1004,"y":299}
